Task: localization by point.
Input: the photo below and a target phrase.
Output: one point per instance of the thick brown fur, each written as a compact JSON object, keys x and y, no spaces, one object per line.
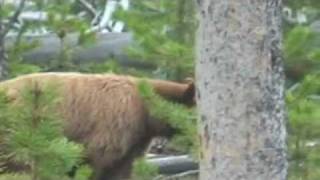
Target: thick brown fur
{"x":107,"y":115}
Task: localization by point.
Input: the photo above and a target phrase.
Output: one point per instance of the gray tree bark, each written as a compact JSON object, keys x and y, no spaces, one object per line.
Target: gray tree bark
{"x":240,"y":95}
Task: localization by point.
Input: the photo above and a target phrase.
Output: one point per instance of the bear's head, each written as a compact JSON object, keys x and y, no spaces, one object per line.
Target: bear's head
{"x":181,"y":93}
{"x":189,"y":98}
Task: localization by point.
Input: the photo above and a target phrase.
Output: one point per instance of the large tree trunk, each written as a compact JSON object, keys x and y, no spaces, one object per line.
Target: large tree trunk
{"x":240,"y":91}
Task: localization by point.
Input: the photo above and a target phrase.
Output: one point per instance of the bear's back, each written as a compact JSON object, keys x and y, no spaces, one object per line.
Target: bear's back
{"x":104,"y":112}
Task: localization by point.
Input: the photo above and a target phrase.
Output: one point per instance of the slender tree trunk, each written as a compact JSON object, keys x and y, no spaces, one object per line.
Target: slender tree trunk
{"x":3,"y":59}
{"x":240,"y":93}
{"x":3,"y":56}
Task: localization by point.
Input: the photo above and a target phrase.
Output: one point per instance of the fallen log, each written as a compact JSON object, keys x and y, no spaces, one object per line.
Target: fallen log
{"x":188,"y":175}
{"x":174,"y":164}
{"x":106,"y":46}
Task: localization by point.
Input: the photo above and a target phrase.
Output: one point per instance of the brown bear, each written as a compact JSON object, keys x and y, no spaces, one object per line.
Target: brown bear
{"x":107,"y":115}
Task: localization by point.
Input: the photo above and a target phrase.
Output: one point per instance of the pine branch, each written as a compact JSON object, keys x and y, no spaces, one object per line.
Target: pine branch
{"x":177,"y":115}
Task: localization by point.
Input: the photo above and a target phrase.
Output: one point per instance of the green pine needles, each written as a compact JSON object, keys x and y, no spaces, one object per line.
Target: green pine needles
{"x":143,"y":170}
{"x":32,"y":135}
{"x":179,"y":116}
{"x":303,"y":104}
{"x":164,"y":33}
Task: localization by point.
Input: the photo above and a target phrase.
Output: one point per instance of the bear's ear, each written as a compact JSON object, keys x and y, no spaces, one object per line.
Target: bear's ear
{"x":189,"y":94}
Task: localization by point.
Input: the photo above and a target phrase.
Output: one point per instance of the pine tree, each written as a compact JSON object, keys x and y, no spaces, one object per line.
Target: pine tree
{"x":164,"y":35}
{"x":32,"y":134}
{"x":301,"y":52}
{"x":303,"y":105}
{"x":177,"y":115}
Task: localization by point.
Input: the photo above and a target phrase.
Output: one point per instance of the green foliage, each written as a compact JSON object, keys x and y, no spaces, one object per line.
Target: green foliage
{"x":177,"y":115}
{"x":305,"y":3}
{"x":164,"y":34}
{"x":61,"y":17}
{"x":110,"y":66}
{"x":301,"y":52}
{"x":32,"y":134}
{"x":315,"y":54}
{"x":304,"y":114}
{"x":16,"y":65}
{"x":62,"y":20}
{"x":15,"y":177}
{"x":301,"y":47}
{"x":300,"y":41}
{"x":17,"y":69}
{"x":143,"y":170}
{"x":83,"y":172}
